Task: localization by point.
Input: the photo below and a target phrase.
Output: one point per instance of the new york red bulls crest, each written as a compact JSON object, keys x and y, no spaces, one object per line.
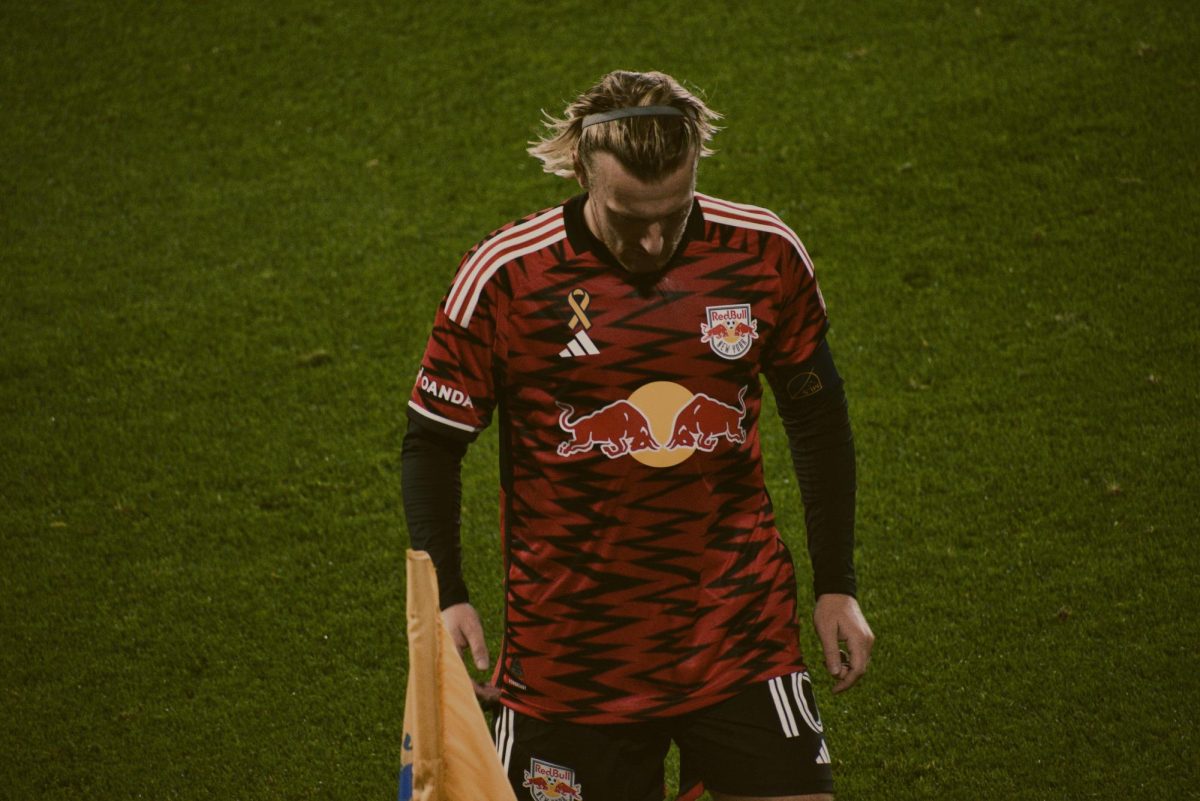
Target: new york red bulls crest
{"x":549,"y":782}
{"x":730,"y":330}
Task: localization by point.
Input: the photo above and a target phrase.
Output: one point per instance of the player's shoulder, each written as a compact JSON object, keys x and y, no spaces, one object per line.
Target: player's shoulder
{"x":719,"y":211}
{"x":719,"y":205}
{"x":530,"y":229}
{"x":490,"y":255}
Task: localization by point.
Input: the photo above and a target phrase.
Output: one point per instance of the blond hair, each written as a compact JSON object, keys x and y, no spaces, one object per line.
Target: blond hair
{"x":649,"y":147}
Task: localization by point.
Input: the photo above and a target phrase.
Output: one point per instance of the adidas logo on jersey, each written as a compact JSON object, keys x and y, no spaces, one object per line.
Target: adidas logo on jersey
{"x":580,"y":345}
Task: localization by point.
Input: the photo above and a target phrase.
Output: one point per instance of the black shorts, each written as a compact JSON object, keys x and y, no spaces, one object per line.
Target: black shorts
{"x":766,"y":741}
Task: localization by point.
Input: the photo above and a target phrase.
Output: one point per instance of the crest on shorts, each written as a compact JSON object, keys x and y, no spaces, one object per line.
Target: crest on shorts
{"x":549,"y":782}
{"x":729,"y":330}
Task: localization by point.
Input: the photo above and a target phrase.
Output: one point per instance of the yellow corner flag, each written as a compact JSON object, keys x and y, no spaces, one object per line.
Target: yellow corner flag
{"x":447,"y":754}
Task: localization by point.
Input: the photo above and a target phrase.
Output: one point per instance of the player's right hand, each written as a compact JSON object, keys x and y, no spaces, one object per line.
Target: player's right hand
{"x":466,"y":630}
{"x":838,"y":618}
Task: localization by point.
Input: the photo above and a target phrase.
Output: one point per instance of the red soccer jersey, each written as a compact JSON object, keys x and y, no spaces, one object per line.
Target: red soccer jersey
{"x":644,"y":573}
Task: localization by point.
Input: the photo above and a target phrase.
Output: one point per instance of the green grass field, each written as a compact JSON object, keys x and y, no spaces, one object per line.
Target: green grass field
{"x":226,"y":228}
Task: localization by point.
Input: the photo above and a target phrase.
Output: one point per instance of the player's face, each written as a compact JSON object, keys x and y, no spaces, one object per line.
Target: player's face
{"x":641,"y":223}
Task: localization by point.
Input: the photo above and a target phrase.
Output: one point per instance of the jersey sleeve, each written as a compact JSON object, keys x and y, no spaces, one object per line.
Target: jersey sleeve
{"x":802,"y":322}
{"x":454,"y":391}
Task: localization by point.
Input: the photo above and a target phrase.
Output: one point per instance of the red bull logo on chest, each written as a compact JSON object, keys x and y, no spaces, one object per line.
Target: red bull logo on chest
{"x":548,"y":782}
{"x":660,"y":424}
{"x":730,"y":330}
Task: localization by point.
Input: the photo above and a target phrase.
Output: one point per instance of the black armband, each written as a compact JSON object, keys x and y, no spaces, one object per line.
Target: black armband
{"x":431,"y":481}
{"x":812,"y":406}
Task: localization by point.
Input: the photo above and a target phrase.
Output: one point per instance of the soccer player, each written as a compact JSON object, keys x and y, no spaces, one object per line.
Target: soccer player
{"x":620,"y":337}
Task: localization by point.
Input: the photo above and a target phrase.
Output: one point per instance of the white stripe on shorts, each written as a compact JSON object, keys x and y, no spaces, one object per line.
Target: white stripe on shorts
{"x":504,"y":736}
{"x":782,"y":708}
{"x":810,"y":715}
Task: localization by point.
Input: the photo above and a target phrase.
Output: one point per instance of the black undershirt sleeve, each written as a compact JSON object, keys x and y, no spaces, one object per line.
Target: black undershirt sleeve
{"x":431,"y":481}
{"x":812,"y":405}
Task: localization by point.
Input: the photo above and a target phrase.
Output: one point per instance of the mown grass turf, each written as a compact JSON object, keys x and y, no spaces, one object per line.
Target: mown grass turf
{"x":225,"y":231}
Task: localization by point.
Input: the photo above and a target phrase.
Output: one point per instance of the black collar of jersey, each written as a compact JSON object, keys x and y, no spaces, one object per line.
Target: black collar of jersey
{"x":583,"y":240}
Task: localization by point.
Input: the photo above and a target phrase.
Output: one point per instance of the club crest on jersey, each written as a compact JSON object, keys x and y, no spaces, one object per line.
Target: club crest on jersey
{"x":730,"y":330}
{"x":548,"y":782}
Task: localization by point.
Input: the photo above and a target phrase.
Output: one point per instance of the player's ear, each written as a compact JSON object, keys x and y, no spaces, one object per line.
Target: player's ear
{"x":580,"y":172}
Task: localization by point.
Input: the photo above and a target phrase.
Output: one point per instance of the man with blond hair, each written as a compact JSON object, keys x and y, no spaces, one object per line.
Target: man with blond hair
{"x":649,"y":597}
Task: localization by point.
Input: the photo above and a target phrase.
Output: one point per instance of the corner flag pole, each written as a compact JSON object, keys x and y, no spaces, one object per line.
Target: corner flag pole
{"x":447,"y":753}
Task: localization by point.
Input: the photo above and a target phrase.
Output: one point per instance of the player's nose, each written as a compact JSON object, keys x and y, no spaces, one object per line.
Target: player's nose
{"x":652,"y":240}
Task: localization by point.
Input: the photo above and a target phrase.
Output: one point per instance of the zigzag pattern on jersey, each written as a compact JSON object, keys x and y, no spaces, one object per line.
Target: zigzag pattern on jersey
{"x":611,"y":600}
{"x":601,"y":656}
{"x":754,"y":218}
{"x":610,"y":653}
{"x":519,"y":239}
{"x":650,"y":573}
{"x":548,"y":320}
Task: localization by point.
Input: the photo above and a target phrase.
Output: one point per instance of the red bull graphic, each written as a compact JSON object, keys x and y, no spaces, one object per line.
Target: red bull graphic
{"x":730,"y":330}
{"x":660,"y":424}
{"x":705,"y":421}
{"x":565,"y":790}
{"x":548,"y":782}
{"x":618,"y":428}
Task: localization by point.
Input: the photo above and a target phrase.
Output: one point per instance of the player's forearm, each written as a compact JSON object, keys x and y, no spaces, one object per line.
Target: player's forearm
{"x":825,"y":471}
{"x":817,"y":423}
{"x":431,"y":482}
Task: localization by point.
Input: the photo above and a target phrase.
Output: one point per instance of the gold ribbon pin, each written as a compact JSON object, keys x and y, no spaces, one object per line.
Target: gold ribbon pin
{"x":579,"y":300}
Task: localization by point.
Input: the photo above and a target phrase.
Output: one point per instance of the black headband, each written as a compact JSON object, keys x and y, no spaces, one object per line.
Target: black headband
{"x":632,"y":111}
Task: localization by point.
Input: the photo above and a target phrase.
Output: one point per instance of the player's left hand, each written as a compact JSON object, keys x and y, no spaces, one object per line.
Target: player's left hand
{"x":837,"y":619}
{"x":466,"y":630}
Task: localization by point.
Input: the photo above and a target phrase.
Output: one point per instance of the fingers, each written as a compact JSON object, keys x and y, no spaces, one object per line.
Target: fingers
{"x":486,"y":694}
{"x":466,"y":629}
{"x":459,"y":635}
{"x":478,"y":644}
{"x":828,"y":633}
{"x":838,"y":618}
{"x":858,"y":645}
{"x":850,"y":674}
